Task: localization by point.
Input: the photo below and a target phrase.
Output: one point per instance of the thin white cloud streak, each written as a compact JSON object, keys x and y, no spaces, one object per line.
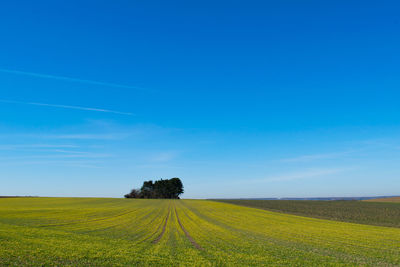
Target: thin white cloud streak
{"x":306,"y":158}
{"x":76,"y":136}
{"x":66,"y":163}
{"x":34,"y":146}
{"x":158,"y":166}
{"x":62,"y":151}
{"x":304,"y":174}
{"x":383,"y":143}
{"x":66,"y":151}
{"x":164,"y":156}
{"x":59,"y":156}
{"x":87,"y":136}
{"x":69,"y":79}
{"x":81,"y":108}
{"x":299,"y":175}
{"x":68,"y":107}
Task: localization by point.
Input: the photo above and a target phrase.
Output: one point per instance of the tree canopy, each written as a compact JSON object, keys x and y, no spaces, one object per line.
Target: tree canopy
{"x":168,"y":188}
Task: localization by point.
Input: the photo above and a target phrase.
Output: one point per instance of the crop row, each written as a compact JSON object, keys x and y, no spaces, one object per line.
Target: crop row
{"x":365,"y":212}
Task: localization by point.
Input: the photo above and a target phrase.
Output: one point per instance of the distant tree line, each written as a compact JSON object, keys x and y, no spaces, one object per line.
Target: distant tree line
{"x":168,"y":188}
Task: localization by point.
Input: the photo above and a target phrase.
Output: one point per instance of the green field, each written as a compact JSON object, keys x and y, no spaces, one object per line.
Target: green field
{"x":126,"y":232}
{"x":372,"y":213}
{"x":387,"y":199}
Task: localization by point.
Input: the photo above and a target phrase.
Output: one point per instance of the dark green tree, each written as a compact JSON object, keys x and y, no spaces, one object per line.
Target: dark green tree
{"x":176,"y":187}
{"x":147,"y":190}
{"x":168,"y":188}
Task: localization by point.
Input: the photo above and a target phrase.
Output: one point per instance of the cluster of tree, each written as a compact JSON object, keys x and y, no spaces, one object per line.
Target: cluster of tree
{"x":168,"y":188}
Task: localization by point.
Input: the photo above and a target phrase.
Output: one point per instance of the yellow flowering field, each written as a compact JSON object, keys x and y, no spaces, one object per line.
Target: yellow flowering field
{"x":136,"y":232}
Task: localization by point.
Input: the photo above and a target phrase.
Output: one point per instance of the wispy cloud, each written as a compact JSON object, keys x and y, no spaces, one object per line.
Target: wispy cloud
{"x":388,"y":143}
{"x":311,"y":173}
{"x":164,"y":156}
{"x":67,"y":163}
{"x":306,"y":158}
{"x":158,"y":166}
{"x":68,"y":107}
{"x":55,"y":156}
{"x":297,"y":175}
{"x":110,"y":136}
{"x":34,"y":146}
{"x":69,"y":79}
{"x":67,"y":136}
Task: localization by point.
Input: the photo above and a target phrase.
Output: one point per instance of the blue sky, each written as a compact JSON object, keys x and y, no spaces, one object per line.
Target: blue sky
{"x":238,"y":98}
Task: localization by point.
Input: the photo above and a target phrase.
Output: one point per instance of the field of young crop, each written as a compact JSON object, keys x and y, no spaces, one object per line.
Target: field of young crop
{"x":127,"y":232}
{"x":365,"y":212}
{"x":388,"y":199}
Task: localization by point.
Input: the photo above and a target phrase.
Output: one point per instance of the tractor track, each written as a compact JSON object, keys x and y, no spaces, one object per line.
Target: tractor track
{"x":194,"y":243}
{"x":88,"y":221}
{"x":155,"y":241}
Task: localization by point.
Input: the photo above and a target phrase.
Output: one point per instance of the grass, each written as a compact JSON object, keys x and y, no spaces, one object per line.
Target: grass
{"x":372,"y":213}
{"x":121,"y":232}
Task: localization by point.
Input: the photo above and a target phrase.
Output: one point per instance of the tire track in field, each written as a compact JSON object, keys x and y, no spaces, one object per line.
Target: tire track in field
{"x":119,"y":224}
{"x":155,"y":241}
{"x":94,"y":220}
{"x":150,"y":236}
{"x":194,"y":243}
